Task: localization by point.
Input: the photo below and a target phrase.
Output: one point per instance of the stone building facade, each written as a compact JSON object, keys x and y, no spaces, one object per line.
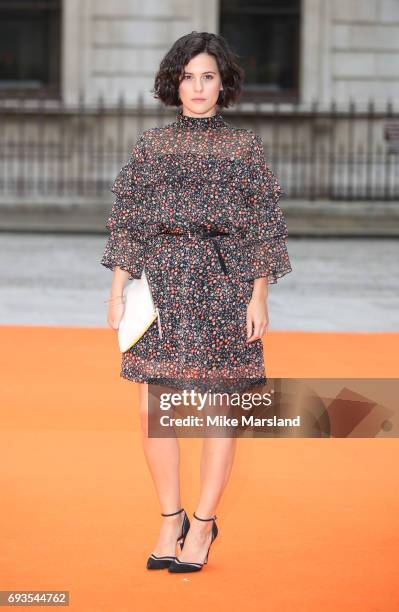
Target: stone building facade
{"x":331,"y":65}
{"x":346,"y":48}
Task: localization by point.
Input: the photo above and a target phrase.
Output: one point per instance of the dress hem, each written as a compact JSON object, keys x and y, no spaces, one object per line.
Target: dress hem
{"x":235,"y":387}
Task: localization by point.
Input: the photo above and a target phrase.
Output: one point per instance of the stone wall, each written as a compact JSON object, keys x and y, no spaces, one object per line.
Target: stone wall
{"x":349,"y":48}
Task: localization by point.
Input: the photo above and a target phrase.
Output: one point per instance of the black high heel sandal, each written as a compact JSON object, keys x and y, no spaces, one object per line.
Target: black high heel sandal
{"x":178,"y":566}
{"x":154,"y":562}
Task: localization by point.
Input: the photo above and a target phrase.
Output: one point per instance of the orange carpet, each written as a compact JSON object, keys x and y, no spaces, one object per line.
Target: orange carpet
{"x":304,"y":524}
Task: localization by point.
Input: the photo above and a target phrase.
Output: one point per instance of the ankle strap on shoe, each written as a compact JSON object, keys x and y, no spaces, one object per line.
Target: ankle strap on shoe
{"x":205,"y":519}
{"x":172,"y":513}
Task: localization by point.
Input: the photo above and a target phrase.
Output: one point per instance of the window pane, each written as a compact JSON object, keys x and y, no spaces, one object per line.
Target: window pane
{"x":29,"y":4}
{"x":29,"y":47}
{"x":265,"y":34}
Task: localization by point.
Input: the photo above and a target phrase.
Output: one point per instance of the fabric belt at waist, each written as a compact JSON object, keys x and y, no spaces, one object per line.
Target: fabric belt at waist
{"x":202,"y":233}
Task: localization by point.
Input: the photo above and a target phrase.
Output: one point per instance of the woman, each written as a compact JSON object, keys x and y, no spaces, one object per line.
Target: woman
{"x":198,"y":207}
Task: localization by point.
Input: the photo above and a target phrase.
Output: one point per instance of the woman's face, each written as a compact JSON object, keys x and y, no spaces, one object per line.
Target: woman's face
{"x":200,"y":86}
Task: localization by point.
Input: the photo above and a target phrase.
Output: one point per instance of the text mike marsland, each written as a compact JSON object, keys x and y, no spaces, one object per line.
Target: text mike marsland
{"x":223,"y":421}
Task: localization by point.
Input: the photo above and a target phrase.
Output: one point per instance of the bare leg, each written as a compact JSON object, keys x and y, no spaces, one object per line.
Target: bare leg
{"x":163,"y":459}
{"x":216,"y":463}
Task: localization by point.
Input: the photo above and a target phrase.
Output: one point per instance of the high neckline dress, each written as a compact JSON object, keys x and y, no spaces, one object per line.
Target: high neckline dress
{"x":197,"y":174}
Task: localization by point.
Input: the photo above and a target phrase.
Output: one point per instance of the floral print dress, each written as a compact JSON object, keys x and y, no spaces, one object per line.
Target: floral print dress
{"x":197,"y":174}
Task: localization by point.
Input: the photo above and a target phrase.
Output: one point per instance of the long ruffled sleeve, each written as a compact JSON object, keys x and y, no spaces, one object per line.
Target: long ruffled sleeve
{"x":266,"y":249}
{"x":125,"y":246}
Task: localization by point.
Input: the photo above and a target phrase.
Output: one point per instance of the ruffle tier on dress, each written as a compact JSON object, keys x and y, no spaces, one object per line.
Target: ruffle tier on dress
{"x":147,"y":193}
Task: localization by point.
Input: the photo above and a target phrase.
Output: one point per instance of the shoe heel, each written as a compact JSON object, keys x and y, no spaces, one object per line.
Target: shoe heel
{"x":181,"y":543}
{"x":214,"y":534}
{"x":184,"y":531}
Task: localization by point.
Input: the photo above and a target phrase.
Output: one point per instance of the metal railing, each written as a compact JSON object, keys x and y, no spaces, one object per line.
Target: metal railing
{"x":51,"y":150}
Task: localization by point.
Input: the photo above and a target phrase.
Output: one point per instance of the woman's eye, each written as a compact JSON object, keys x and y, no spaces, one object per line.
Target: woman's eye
{"x":187,"y":76}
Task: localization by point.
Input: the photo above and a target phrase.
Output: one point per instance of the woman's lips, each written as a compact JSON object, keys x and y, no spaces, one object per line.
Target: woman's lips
{"x":198,"y":99}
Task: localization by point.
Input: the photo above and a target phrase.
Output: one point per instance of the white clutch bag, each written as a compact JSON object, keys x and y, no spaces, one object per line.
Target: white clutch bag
{"x":139,"y":313}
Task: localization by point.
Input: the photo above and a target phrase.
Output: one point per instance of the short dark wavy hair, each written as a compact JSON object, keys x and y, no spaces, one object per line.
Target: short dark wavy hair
{"x":169,"y":75}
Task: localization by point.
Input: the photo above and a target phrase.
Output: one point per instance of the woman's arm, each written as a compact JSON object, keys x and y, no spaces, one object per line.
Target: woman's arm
{"x":260,"y":289}
{"x":257,"y":313}
{"x":266,"y":250}
{"x":115,"y":304}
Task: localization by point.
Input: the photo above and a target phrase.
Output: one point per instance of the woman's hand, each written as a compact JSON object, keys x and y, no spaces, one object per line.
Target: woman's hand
{"x":257,"y":318}
{"x":115,"y":313}
{"x":257,"y":314}
{"x":116,"y":304}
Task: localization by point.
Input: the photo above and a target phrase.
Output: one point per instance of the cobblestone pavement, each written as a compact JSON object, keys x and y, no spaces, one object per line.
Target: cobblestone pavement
{"x":337,"y":284}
